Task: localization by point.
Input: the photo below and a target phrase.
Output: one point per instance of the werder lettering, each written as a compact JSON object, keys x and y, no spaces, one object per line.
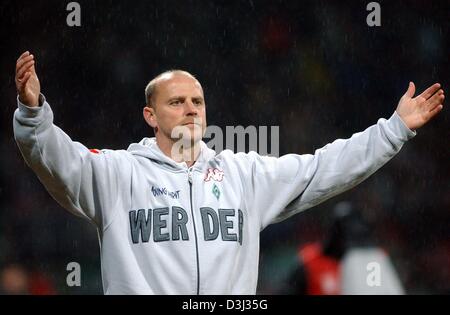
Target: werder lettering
{"x":171,"y":224}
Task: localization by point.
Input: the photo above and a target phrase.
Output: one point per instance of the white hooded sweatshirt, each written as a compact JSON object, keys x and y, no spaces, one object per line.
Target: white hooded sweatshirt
{"x":165,"y":228}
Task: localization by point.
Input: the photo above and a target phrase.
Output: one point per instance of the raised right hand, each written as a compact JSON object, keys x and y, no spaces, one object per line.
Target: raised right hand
{"x":27,"y":82}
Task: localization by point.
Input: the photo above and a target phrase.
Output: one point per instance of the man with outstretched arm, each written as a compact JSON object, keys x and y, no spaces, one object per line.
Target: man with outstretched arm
{"x":177,"y":223}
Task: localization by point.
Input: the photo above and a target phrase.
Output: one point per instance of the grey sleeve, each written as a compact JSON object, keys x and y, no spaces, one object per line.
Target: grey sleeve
{"x":284,"y":186}
{"x":84,"y":183}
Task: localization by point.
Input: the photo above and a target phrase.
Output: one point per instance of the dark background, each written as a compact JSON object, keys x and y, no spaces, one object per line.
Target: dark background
{"x":313,"y":68}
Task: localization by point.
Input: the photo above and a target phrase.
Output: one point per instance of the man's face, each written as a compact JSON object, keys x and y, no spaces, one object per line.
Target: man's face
{"x":178,"y":108}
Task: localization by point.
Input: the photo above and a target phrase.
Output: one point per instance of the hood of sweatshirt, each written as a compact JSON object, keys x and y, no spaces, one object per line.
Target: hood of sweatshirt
{"x":148,"y":148}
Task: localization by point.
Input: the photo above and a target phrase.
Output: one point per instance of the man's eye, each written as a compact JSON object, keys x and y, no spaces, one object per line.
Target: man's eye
{"x":177,"y":102}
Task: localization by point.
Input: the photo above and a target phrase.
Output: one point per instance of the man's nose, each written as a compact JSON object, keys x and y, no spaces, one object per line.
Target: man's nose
{"x":191,"y":109}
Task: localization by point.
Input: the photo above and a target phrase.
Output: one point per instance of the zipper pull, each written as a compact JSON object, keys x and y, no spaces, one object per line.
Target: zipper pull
{"x":190,"y":175}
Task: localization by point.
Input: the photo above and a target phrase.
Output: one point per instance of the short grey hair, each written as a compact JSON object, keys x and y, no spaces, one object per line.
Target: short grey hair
{"x":151,"y":86}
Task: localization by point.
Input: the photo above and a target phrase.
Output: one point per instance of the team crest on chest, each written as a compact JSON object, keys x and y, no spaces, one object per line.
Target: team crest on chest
{"x":216,"y":191}
{"x":214,"y":174}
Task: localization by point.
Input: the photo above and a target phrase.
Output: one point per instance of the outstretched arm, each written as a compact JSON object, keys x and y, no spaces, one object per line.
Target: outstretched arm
{"x":84,"y":183}
{"x":285,"y":186}
{"x":417,"y":111}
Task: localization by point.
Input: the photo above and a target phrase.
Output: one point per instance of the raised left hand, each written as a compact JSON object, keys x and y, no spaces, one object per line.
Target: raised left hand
{"x":417,"y":111}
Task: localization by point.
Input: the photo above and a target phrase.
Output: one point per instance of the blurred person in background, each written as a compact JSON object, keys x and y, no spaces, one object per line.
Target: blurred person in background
{"x":343,"y":262}
{"x":16,"y":279}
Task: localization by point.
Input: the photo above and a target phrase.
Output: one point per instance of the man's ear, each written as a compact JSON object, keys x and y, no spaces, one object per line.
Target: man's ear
{"x":150,"y":116}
